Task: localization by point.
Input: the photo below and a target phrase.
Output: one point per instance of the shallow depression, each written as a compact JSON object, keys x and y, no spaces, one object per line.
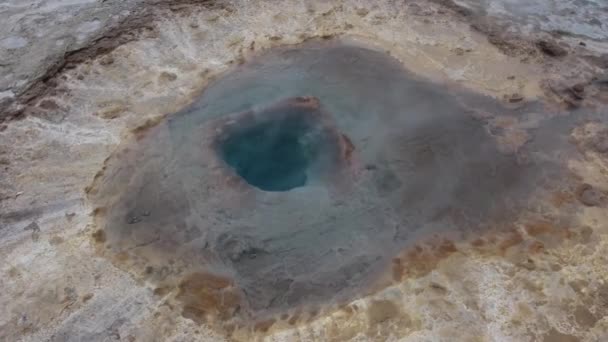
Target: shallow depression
{"x":297,"y":177}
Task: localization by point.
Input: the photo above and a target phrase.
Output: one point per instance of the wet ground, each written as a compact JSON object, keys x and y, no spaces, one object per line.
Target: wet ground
{"x":318,"y":172}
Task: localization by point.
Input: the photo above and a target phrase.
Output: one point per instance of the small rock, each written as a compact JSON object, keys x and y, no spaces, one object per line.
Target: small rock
{"x":134,"y":220}
{"x":107,"y":60}
{"x":415,"y":9}
{"x":99,"y":236}
{"x":528,"y":264}
{"x":551,"y":48}
{"x":600,"y":143}
{"x":166,"y":76}
{"x":459,"y":51}
{"x":87,"y":297}
{"x":362,"y":12}
{"x":578,"y":91}
{"x":35,"y":228}
{"x":579,"y":87}
{"x":589,"y":196}
{"x":48,"y":104}
{"x":513,"y":98}
{"x":438,"y":288}
{"x":111,"y":113}
{"x":70,"y":294}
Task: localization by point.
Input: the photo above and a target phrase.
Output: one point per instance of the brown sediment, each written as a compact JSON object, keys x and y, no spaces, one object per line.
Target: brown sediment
{"x":99,"y":211}
{"x":263,"y":326}
{"x":422,"y":258}
{"x":87,"y":297}
{"x":99,"y":236}
{"x":206,"y":294}
{"x":397,"y":269}
{"x":536,"y":247}
{"x":511,"y":239}
{"x":295,"y":317}
{"x":140,"y":130}
{"x":121,"y":257}
{"x":538,"y":228}
{"x":562,"y":198}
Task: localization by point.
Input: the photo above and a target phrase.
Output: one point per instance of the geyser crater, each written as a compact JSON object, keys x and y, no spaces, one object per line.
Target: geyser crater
{"x":227,"y":234}
{"x":281,"y":147}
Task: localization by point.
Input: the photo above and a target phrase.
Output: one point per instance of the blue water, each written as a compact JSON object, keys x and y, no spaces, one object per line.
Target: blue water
{"x":270,"y":155}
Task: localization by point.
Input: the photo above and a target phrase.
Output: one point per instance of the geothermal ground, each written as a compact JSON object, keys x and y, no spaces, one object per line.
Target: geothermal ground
{"x":421,"y":170}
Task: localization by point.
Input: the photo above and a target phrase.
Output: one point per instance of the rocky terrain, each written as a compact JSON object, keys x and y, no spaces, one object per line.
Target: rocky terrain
{"x":90,"y":89}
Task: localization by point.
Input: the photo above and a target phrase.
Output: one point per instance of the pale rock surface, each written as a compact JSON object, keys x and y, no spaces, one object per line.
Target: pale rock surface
{"x":534,"y":282}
